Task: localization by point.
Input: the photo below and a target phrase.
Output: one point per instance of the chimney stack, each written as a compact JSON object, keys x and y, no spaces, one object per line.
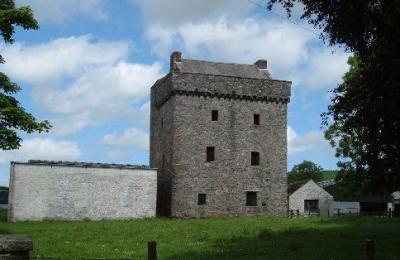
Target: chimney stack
{"x":176,"y":56}
{"x":261,"y":64}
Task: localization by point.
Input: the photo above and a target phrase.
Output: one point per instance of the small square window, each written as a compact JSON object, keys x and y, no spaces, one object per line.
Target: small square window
{"x":210,"y":153}
{"x":311,"y":206}
{"x":202,"y":199}
{"x":255,"y":158}
{"x":251,"y":198}
{"x":214,"y":115}
{"x":256,"y":119}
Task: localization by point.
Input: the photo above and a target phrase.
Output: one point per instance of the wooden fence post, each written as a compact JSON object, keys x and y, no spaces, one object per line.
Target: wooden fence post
{"x":328,"y":213}
{"x":338,"y":212}
{"x":390,"y":213}
{"x":298,"y":212}
{"x":370,"y":249}
{"x":152,"y":250}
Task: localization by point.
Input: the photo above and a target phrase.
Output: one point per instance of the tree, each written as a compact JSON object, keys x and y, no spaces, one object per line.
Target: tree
{"x":13,"y":117}
{"x":306,"y":170}
{"x":362,"y":121}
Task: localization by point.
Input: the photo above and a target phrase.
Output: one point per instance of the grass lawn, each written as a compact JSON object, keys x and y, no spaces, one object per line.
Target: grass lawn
{"x":224,"y":238}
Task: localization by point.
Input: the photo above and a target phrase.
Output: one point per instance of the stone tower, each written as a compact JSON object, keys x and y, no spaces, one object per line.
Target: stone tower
{"x":218,"y":138}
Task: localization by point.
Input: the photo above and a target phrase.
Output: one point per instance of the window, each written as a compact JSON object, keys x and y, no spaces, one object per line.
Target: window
{"x":256,"y":119}
{"x":162,"y":122}
{"x":202,"y":199}
{"x":163,"y":162}
{"x":311,"y":206}
{"x":210,"y":153}
{"x":251,"y":198}
{"x":214,"y":115}
{"x":255,"y":158}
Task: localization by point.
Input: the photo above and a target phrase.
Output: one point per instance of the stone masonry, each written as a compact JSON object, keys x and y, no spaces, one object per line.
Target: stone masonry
{"x":182,"y":128}
{"x":311,"y":191}
{"x":42,"y":190}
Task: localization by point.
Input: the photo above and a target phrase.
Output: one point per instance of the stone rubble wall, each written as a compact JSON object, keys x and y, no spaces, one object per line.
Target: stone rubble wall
{"x":39,"y":192}
{"x":189,"y":98}
{"x":311,"y":191}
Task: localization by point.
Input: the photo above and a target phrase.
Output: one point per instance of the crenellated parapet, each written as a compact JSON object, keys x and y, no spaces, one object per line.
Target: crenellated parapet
{"x":221,"y":87}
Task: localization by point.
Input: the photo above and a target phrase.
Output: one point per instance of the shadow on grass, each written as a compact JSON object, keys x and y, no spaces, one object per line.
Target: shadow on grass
{"x":333,"y":239}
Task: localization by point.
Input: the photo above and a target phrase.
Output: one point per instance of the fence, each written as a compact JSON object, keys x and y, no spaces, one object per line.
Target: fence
{"x":389,"y":213}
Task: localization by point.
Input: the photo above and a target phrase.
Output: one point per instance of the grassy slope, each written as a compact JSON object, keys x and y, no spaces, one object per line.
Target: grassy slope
{"x":329,"y":175}
{"x":230,"y":238}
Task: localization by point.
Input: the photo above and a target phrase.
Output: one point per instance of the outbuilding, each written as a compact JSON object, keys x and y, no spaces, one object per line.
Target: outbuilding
{"x":76,"y":191}
{"x":311,"y":199}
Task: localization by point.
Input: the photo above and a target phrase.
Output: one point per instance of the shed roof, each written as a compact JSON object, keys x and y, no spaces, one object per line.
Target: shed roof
{"x":85,"y":164}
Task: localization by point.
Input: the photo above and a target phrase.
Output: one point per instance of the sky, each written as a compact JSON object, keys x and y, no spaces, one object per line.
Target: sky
{"x":90,"y":66}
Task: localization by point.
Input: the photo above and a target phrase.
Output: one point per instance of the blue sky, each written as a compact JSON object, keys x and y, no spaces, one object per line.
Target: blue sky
{"x":89,"y":68}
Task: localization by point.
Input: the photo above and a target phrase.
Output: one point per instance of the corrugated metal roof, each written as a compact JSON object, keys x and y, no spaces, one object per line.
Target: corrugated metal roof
{"x":222,"y":69}
{"x":86,"y":164}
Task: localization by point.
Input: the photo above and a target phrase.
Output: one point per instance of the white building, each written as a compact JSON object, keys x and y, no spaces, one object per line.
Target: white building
{"x":311,"y":199}
{"x":314,"y":199}
{"x":75,"y":191}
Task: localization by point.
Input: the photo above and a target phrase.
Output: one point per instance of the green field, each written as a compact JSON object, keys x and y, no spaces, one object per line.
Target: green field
{"x":224,"y":238}
{"x":329,"y":175}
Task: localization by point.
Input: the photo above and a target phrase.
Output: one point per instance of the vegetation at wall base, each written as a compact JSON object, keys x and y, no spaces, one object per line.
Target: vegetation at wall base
{"x":214,"y":238}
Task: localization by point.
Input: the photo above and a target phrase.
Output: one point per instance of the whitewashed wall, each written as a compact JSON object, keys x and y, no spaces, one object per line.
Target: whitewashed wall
{"x":345,"y":207}
{"x":310,"y":191}
{"x":39,"y":192}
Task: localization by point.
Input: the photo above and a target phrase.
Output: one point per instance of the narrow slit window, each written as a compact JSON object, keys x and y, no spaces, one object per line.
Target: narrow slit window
{"x":162,"y":122}
{"x":251,"y":198}
{"x":214,"y":115}
{"x":163,"y":162}
{"x":202,"y":199}
{"x":256,"y":119}
{"x":255,"y":158}
{"x":210,"y":153}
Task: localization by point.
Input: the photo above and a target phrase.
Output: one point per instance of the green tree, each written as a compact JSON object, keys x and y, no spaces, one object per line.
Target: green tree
{"x":362,"y":121}
{"x":13,"y":117}
{"x":306,"y":170}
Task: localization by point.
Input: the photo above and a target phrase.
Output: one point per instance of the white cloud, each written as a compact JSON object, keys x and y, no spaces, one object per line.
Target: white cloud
{"x":60,"y":11}
{"x":47,"y":64}
{"x":42,"y":149}
{"x":179,"y":11}
{"x":103,"y":94}
{"x":322,"y":69}
{"x":80,"y":82}
{"x":131,"y":137}
{"x":300,"y":143}
{"x":292,"y":53}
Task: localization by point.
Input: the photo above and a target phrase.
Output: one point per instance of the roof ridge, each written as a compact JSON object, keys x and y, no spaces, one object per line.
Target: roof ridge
{"x":218,"y":62}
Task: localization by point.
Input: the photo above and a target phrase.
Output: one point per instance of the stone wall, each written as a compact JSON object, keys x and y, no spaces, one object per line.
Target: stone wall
{"x":39,"y":192}
{"x":310,"y":191}
{"x":189,"y":98}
